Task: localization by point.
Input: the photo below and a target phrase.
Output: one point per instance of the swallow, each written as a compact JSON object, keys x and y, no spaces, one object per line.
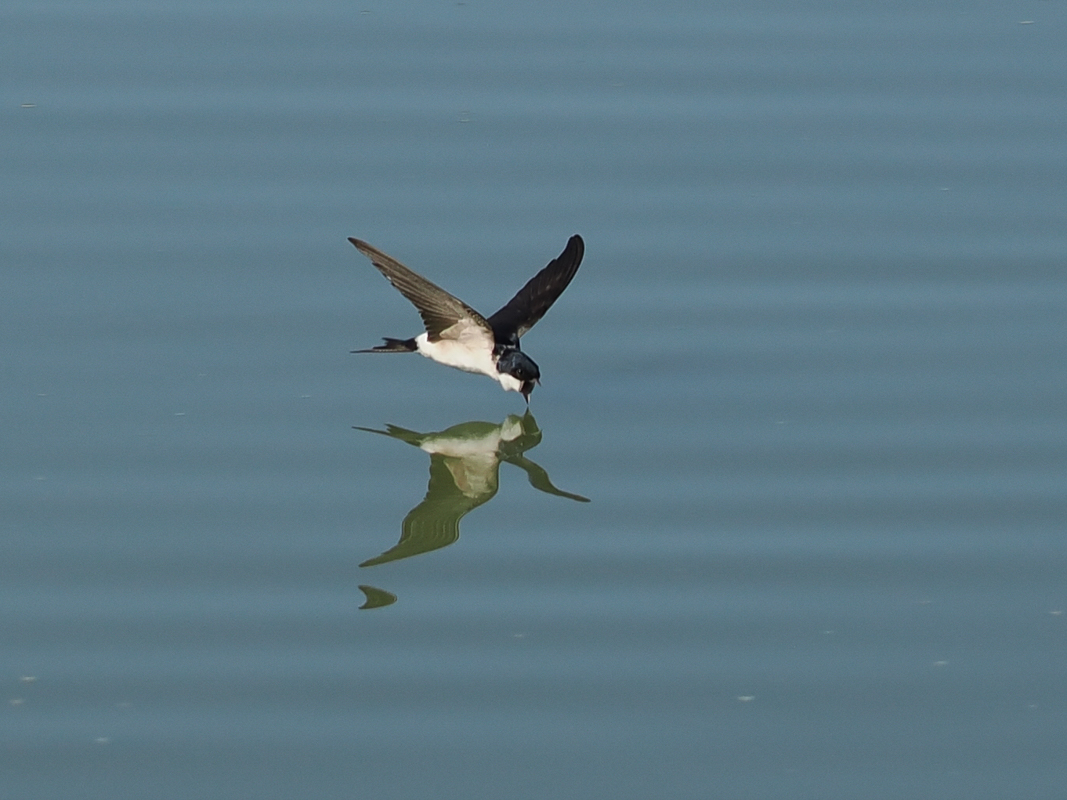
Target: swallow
{"x":458,"y":336}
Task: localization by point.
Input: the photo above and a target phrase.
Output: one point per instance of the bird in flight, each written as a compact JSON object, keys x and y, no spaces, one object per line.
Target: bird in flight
{"x":458,"y":336}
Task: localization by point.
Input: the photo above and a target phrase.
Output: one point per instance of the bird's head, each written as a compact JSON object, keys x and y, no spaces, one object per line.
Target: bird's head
{"x":522,"y":368}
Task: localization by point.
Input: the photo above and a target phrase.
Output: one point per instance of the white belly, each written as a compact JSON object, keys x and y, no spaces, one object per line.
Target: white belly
{"x":470,"y":354}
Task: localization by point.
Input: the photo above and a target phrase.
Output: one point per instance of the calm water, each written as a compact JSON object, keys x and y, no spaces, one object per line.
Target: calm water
{"x":810,"y":377}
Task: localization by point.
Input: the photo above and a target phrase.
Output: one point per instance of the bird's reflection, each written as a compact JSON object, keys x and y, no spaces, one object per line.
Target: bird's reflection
{"x":464,"y":474}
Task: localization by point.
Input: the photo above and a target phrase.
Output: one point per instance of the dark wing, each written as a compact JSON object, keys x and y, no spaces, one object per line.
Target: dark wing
{"x":537,"y":296}
{"x":439,"y":310}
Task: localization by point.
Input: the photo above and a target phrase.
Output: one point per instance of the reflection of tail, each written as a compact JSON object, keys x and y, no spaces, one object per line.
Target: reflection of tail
{"x":403,"y":434}
{"x":392,"y":346}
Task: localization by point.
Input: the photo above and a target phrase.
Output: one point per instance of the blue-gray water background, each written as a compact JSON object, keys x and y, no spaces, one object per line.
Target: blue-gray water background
{"x":812,"y":376}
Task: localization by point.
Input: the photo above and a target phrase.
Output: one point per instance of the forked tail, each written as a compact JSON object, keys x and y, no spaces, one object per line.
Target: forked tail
{"x":392,"y":346}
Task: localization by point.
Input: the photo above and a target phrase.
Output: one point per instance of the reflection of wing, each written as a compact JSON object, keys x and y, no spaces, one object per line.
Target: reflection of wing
{"x":539,"y":478}
{"x":434,"y":523}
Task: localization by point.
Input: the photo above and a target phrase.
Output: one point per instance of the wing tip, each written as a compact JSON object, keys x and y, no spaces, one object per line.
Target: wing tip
{"x":576,"y":245}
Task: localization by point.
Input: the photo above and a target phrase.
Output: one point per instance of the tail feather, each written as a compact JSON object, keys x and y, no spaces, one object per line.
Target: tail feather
{"x":392,"y":346}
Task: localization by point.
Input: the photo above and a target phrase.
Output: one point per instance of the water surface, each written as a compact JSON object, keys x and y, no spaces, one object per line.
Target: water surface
{"x":810,"y":377}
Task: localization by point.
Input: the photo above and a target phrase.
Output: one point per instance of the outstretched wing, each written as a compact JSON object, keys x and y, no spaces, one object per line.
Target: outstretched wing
{"x":439,"y":310}
{"x":535,"y":298}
